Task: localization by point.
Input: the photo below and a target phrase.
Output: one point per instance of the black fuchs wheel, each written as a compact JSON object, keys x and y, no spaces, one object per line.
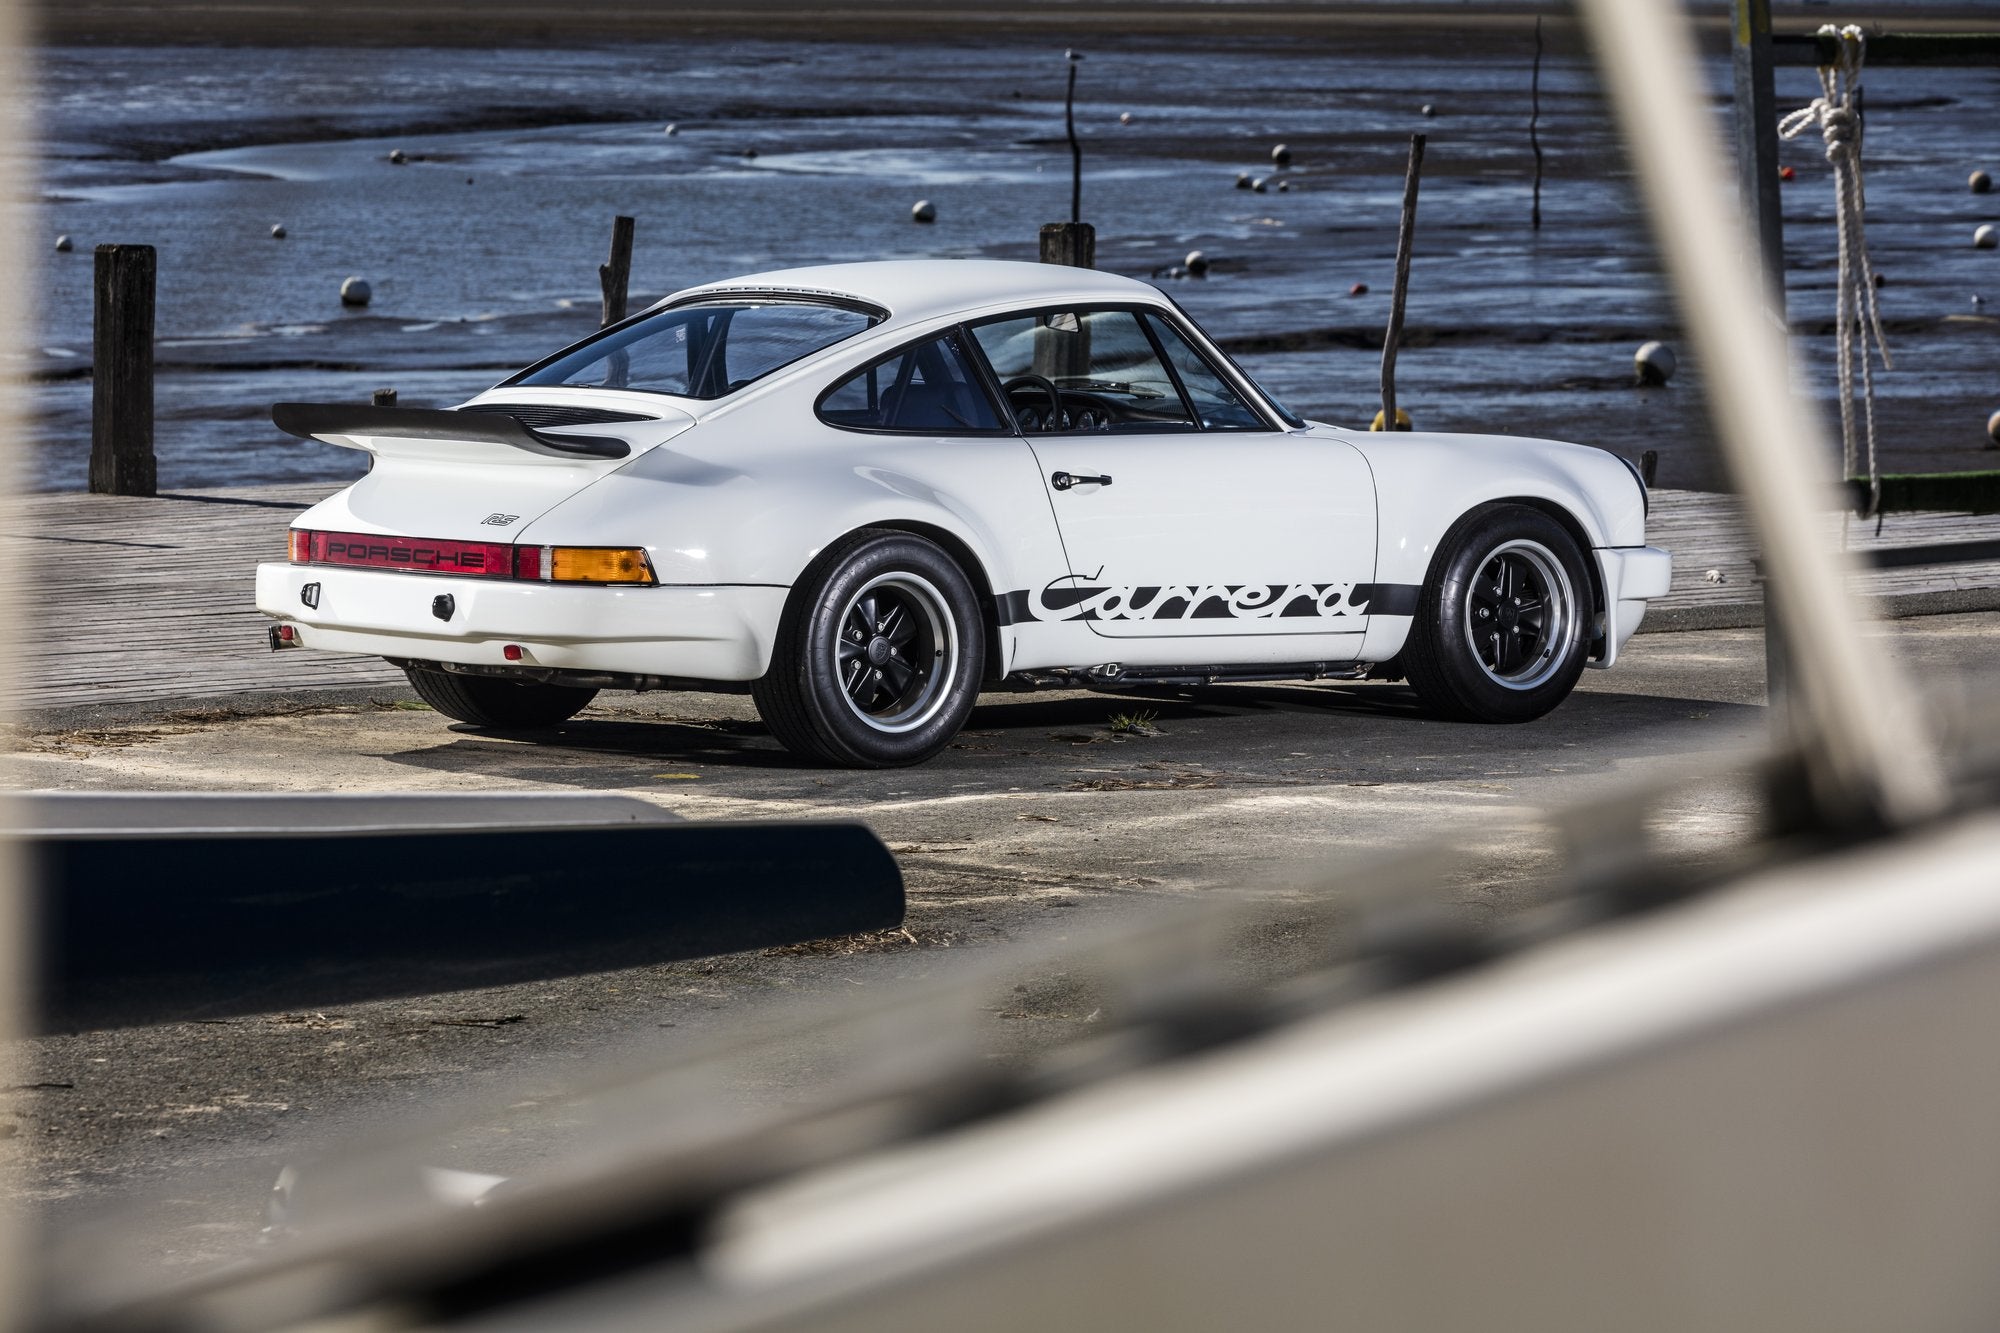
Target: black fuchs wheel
{"x":879,"y":657}
{"x":487,"y":701}
{"x":1504,"y":622}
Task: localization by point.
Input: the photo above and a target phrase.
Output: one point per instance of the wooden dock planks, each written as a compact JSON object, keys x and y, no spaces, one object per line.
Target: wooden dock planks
{"x":151,"y":599}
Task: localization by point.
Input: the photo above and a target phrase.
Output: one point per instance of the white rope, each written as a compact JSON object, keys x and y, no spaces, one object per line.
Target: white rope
{"x":1857,"y":321}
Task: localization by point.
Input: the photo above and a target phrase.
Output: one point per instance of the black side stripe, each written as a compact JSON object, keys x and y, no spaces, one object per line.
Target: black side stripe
{"x":1375,"y":599}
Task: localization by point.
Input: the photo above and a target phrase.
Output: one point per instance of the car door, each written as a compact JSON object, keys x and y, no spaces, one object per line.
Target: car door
{"x":1184,"y":513}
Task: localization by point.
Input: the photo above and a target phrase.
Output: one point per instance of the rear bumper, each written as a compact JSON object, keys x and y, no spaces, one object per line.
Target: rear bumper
{"x":1632,"y":575}
{"x":719,"y":632}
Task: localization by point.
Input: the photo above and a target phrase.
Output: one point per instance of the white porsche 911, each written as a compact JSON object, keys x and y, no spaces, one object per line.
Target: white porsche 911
{"x":871,"y":490}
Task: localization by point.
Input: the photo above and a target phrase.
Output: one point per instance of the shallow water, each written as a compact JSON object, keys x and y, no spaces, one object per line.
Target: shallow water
{"x":483,"y":249}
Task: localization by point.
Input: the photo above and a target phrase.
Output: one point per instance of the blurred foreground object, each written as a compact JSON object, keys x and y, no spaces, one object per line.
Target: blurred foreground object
{"x":162,"y":908}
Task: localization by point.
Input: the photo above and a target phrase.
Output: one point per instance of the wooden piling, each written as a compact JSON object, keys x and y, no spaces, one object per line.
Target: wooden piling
{"x":1405,"y":240}
{"x":615,"y":275}
{"x":1071,"y":243}
{"x":1075,"y":148}
{"x":384,"y":398}
{"x":1534,"y":124}
{"x":121,"y":392}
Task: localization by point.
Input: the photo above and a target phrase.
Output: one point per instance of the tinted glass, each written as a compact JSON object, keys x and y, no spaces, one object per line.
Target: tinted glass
{"x":701,"y":351}
{"x":1101,"y":363}
{"x":1217,"y":405}
{"x":929,"y":389}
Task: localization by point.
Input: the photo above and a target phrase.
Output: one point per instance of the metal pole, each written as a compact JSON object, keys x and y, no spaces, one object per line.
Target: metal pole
{"x":1757,"y":140}
{"x":1757,"y":186}
{"x":1406,"y":239}
{"x":1870,"y":757}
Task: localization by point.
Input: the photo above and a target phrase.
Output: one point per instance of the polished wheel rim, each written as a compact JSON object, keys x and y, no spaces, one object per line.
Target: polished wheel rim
{"x":896,"y":652}
{"x":1519,"y":614}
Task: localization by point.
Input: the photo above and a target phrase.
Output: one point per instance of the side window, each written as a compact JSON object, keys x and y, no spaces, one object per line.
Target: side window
{"x":928,"y":389}
{"x":1102,"y":368}
{"x":1219,"y":406}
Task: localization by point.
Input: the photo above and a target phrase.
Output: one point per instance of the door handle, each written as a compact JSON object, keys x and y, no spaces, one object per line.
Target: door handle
{"x":1062,"y":481}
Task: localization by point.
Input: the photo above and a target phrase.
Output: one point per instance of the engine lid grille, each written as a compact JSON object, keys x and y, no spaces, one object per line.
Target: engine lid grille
{"x":541,"y":416}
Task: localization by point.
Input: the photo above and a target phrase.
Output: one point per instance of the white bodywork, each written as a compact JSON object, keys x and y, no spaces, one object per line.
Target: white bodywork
{"x":733,"y":498}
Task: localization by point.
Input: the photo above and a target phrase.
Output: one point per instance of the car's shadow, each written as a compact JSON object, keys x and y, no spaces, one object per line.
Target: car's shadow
{"x":1363,"y":727}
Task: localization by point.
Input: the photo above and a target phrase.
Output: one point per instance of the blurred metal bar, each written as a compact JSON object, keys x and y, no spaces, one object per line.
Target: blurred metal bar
{"x":1869,"y":757}
{"x":18,"y":285}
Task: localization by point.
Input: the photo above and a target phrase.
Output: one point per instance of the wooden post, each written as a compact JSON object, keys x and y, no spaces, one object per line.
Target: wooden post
{"x":1757,"y":139}
{"x":121,"y":389}
{"x":384,"y":398}
{"x":614,"y":276}
{"x":1534,"y":122}
{"x":1072,"y":243}
{"x":1075,"y":148}
{"x":1405,"y":240}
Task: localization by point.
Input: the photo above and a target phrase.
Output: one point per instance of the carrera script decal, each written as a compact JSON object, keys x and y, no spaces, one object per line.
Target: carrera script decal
{"x":1067,"y":599}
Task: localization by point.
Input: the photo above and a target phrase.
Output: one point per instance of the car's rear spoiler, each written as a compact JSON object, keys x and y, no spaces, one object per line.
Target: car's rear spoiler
{"x":330,"y":421}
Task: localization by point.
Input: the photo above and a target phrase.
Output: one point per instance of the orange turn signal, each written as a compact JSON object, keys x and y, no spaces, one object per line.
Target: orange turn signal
{"x":597,"y":564}
{"x":301,"y":546}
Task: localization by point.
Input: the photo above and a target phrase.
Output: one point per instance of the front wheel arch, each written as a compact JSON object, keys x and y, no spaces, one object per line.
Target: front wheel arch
{"x":1569,"y":522}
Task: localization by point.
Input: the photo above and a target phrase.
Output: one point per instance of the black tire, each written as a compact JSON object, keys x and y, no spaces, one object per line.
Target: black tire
{"x":879,"y":701}
{"x":487,"y":701}
{"x":1505,"y":619}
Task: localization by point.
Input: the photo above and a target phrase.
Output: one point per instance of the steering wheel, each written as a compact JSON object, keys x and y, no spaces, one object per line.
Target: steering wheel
{"x":1047,"y":386}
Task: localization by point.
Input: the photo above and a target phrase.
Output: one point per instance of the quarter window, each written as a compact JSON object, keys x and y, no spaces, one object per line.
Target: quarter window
{"x":704,"y":350}
{"x":928,"y":389}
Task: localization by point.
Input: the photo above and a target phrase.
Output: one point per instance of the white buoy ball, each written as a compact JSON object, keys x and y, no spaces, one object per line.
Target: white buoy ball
{"x":1980,"y":183}
{"x":1430,"y":110}
{"x":923,"y":211}
{"x":1242,"y":180}
{"x":1654,"y":363}
{"x":1986,"y":238}
{"x":397,"y":157}
{"x":671,"y":129}
{"x":1196,"y":263}
{"x":1993,"y":430}
{"x":1260,"y":186}
{"x":356,"y":292}
{"x":1124,"y":117}
{"x":1281,"y":156}
{"x":64,"y":245}
{"x":278,"y":232}
{"x":1284,"y":187}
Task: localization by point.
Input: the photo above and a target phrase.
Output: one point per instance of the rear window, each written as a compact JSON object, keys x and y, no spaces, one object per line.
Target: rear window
{"x":701,"y":351}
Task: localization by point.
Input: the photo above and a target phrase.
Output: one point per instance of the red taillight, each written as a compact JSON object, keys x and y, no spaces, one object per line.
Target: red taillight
{"x":423,"y":555}
{"x":488,"y":560}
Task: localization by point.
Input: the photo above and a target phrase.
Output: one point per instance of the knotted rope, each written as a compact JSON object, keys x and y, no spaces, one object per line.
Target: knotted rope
{"x":1857,"y":321}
